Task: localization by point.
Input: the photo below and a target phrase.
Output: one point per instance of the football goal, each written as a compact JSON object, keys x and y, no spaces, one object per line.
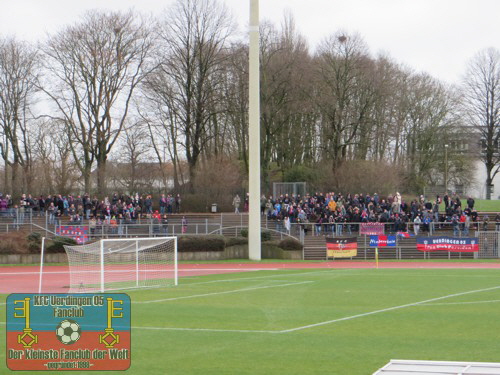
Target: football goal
{"x":114,"y":264}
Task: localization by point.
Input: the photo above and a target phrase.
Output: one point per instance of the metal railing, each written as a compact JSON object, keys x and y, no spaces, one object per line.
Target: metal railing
{"x":16,"y":219}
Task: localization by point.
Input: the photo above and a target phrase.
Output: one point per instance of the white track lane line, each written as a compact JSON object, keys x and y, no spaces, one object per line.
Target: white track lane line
{"x":225,"y":292}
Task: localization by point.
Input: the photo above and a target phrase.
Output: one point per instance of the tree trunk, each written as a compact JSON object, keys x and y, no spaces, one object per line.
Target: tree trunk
{"x":488,"y":184}
{"x":15,"y":181}
{"x":101,"y":177}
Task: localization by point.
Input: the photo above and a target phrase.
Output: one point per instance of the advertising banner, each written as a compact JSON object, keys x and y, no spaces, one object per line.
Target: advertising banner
{"x":80,"y":233}
{"x":444,"y":243}
{"x":382,"y":241}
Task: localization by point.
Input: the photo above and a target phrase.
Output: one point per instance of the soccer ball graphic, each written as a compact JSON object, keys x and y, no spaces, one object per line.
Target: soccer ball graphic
{"x":68,"y":332}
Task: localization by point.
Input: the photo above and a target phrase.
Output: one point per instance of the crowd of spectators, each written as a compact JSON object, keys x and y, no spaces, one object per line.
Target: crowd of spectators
{"x":329,"y":210}
{"x":82,"y":207}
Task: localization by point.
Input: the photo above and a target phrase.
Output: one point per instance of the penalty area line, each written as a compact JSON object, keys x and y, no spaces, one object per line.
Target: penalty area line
{"x":225,"y":292}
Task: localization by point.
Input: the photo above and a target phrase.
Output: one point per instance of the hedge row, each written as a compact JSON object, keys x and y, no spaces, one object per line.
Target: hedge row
{"x":30,"y":243}
{"x":21,"y":242}
{"x":201,"y":243}
{"x":265,"y":235}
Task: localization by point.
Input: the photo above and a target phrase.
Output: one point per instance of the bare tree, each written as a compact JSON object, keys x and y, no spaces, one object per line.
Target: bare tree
{"x":18,"y":74}
{"x":235,"y":99}
{"x":159,"y":114}
{"x":481,"y":89}
{"x":429,"y":120}
{"x":194,"y":35}
{"x":345,"y":96}
{"x":133,"y":151}
{"x":95,"y":67}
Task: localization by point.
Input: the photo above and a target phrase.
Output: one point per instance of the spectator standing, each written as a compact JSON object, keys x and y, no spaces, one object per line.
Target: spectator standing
{"x":177,"y":203}
{"x":435,"y":210}
{"x":288,"y":225}
{"x":470,"y":203}
{"x":263,"y":204}
{"x":184,"y":224}
{"x":148,"y":205}
{"x":92,"y":226}
{"x":170,"y":204}
{"x":474,"y":216}
{"x":247,"y":202}
{"x":52,"y":210}
{"x":486,"y":220}
{"x":41,"y":206}
{"x":3,"y":205}
{"x":236,"y":204}
{"x":463,"y":219}
{"x":416,"y":224}
{"x":454,"y":221}
{"x":319,"y":222}
{"x":163,"y":204}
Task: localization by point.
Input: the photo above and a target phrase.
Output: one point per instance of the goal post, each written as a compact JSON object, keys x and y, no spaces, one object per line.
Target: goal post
{"x":114,"y":264}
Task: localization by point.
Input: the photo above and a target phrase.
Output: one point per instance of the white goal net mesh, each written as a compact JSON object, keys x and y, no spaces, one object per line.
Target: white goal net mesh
{"x":122,"y":264}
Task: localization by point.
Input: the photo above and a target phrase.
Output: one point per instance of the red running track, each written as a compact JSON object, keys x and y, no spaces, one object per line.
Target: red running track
{"x":25,"y":279}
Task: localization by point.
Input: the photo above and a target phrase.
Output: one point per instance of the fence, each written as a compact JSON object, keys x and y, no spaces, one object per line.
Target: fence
{"x":488,"y":244}
{"x":308,"y":233}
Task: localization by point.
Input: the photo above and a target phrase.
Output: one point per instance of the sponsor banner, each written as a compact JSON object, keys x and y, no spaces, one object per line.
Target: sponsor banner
{"x":444,"y":243}
{"x":382,"y":241}
{"x":372,"y":229}
{"x":80,"y":233}
{"x":68,"y":332}
{"x":341,"y":247}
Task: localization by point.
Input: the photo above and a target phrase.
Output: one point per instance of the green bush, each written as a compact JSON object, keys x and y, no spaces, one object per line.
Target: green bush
{"x":56,"y":245}
{"x":290,"y":244}
{"x":265,"y":235}
{"x":14,"y":243}
{"x":234,"y":241}
{"x":34,"y":237}
{"x":201,"y":243}
{"x":34,"y":242}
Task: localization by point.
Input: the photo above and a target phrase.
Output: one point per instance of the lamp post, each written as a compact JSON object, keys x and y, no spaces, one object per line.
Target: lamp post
{"x":446,"y":168}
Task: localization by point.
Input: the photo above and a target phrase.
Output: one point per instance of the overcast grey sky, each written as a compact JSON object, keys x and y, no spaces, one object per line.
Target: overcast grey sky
{"x":435,"y":36}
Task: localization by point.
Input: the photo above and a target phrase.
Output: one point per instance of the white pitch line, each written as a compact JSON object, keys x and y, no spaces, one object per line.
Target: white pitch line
{"x":269,"y":276}
{"x":385,"y":310}
{"x":225,"y":292}
{"x":461,"y":303}
{"x":424,"y":303}
{"x":205,"y":330}
{"x":181,"y":270}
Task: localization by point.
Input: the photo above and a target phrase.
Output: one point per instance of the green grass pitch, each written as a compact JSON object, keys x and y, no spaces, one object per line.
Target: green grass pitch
{"x":314,"y":321}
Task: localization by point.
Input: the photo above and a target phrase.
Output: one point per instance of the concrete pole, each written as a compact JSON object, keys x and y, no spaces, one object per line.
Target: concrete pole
{"x":446,"y":169}
{"x":254,"y":241}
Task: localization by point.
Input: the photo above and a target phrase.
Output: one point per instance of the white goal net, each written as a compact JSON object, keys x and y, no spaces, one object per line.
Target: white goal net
{"x":113,"y":264}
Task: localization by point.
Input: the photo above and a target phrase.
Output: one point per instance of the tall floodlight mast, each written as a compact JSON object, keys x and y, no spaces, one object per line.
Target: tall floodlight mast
{"x":254,"y":241}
